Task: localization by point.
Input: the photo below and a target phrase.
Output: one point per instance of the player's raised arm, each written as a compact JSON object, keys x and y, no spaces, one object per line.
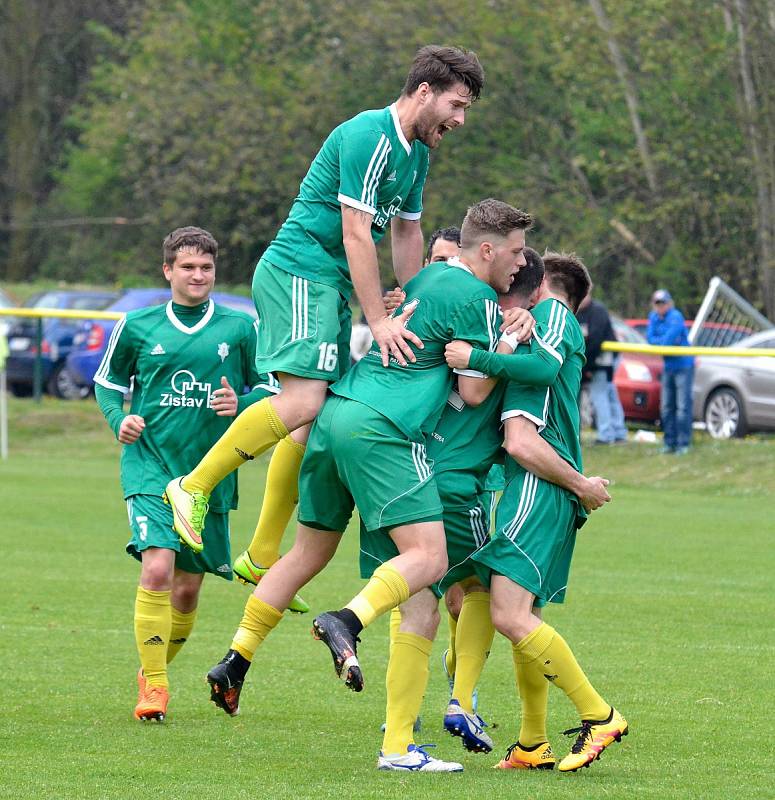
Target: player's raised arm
{"x":389,"y":333}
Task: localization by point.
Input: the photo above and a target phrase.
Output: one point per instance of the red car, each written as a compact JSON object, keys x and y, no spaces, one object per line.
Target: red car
{"x":637,"y":376}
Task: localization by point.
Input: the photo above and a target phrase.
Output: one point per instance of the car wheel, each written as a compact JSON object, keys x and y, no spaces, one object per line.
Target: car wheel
{"x":724,"y":414}
{"x":62,"y":384}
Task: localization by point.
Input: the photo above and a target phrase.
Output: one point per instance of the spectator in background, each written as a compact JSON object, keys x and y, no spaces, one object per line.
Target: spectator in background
{"x":667,"y":327}
{"x":599,"y":371}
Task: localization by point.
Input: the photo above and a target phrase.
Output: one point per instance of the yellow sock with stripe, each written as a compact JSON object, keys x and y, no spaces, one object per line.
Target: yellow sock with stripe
{"x":475,"y":632}
{"x":533,"y":691}
{"x":256,"y":429}
{"x":395,"y":625}
{"x":153,"y":622}
{"x":258,"y":620}
{"x":182,"y":625}
{"x":406,"y":679}
{"x":280,"y":498}
{"x":450,"y":658}
{"x":549,"y":653}
{"x":386,"y":589}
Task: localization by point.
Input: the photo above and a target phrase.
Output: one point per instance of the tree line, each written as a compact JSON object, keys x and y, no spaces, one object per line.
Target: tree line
{"x":640,"y":134}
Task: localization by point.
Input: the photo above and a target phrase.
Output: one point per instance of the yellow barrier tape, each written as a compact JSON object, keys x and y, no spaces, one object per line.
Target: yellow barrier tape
{"x":60,"y":312}
{"x":667,"y":350}
{"x":617,"y":347}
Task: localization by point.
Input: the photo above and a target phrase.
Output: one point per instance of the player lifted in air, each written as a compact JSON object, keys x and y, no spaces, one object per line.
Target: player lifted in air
{"x":186,"y":362}
{"x":527,"y":562}
{"x":368,"y":175}
{"x":367,"y":448}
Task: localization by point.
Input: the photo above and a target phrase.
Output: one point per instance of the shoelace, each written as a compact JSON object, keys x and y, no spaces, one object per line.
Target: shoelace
{"x":511,"y":749}
{"x":199,"y":509}
{"x":584,"y":732}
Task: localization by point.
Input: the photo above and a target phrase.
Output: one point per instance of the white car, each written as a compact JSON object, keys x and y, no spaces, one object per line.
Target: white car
{"x":736,"y":394}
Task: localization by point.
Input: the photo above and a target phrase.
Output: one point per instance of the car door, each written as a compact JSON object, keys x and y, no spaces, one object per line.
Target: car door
{"x":759,"y":383}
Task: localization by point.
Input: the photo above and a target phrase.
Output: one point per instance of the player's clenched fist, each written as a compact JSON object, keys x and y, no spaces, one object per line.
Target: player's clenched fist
{"x":224,"y":400}
{"x":595,"y":493}
{"x":131,"y":427}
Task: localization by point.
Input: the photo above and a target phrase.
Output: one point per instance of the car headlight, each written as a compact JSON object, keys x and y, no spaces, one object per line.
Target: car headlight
{"x":637,"y":371}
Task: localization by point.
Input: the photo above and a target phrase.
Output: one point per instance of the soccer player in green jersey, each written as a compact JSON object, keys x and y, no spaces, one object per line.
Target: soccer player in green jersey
{"x":367,"y":448}
{"x":368,"y":174}
{"x":528,"y":559}
{"x":186,"y":363}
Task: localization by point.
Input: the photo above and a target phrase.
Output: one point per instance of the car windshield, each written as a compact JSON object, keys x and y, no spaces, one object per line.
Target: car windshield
{"x":131,"y":300}
{"x":624,"y":333}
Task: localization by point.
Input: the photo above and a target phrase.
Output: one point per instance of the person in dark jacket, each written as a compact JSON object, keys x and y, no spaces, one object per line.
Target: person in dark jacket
{"x":599,"y":372}
{"x":667,"y":327}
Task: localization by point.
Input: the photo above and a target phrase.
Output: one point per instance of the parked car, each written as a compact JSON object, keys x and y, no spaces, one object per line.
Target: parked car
{"x":637,"y":376}
{"x":736,"y":394}
{"x":55,"y":345}
{"x":5,"y":322}
{"x":91,"y":340}
{"x":711,"y":334}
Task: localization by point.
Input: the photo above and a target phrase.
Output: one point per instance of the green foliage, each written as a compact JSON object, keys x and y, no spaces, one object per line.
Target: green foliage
{"x":209,"y":113}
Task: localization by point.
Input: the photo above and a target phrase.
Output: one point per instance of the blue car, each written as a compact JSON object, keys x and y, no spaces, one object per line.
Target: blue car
{"x":56,"y":343}
{"x":91,"y":341}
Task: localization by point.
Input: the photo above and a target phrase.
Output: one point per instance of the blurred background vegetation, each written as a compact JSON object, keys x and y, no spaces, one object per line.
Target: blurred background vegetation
{"x":639,"y":133}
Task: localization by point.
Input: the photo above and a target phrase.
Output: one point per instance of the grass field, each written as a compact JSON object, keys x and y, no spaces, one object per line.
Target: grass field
{"x":670,"y":610}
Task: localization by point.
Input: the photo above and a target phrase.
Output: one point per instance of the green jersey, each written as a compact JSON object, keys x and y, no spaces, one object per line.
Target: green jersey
{"x":453,"y":304}
{"x":554,"y":408}
{"x":464,"y":446}
{"x":365,"y":163}
{"x":173,"y":364}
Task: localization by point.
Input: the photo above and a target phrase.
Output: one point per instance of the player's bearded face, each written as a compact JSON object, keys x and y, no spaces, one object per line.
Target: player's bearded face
{"x":441,"y":114}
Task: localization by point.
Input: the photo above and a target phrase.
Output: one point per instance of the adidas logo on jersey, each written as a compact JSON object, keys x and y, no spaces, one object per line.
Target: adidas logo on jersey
{"x":392,"y":176}
{"x":158,"y":351}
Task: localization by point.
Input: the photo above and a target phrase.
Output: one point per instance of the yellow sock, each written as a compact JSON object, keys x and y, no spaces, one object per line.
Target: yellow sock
{"x":474,"y":639}
{"x":256,"y":429}
{"x":386,"y":589}
{"x":407,"y":677}
{"x":153,"y":621}
{"x":450,"y":657}
{"x":533,"y":691}
{"x":280,"y":498}
{"x":257,"y":622}
{"x":182,"y":625}
{"x":549,"y":653}
{"x":395,"y":624}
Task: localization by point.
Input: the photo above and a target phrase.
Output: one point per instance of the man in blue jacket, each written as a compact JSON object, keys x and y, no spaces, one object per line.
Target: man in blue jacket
{"x":667,"y":327}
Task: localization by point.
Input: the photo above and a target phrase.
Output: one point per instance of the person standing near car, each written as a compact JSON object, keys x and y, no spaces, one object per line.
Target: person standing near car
{"x":598,"y":372}
{"x":668,"y":327}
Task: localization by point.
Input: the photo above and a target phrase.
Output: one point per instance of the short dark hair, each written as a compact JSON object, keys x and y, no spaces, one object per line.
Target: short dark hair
{"x":189,"y":236}
{"x":566,"y":273}
{"x":490,"y":217}
{"x":443,"y":67}
{"x":529,"y":277}
{"x":451,"y":234}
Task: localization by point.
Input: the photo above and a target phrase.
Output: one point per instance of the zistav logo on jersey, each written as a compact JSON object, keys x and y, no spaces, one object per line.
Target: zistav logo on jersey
{"x":384,"y":215}
{"x":187,"y":392}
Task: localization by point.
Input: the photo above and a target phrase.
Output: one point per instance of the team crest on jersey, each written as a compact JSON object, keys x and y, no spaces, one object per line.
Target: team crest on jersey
{"x":187,"y":392}
{"x":384,"y":215}
{"x":223,"y":351}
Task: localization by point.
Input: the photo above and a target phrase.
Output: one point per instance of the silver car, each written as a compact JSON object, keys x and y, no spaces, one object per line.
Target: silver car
{"x":734,"y":395}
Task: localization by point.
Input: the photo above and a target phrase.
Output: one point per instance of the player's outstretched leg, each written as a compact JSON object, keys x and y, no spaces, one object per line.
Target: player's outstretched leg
{"x":189,"y":510}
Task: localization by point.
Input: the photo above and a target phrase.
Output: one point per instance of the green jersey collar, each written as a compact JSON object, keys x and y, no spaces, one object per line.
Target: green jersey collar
{"x":399,"y":132}
{"x":206,"y":317}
